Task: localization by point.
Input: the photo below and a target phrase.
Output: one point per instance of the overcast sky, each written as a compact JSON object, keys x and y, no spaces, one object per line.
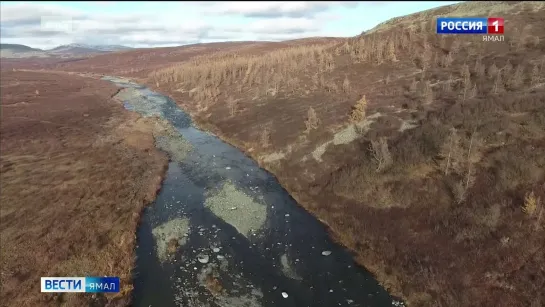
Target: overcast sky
{"x":155,"y":24}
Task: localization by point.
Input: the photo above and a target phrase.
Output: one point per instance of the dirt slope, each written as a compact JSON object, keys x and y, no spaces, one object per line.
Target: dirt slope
{"x":424,"y":153}
{"x":435,"y":179}
{"x":76,"y":171}
{"x":140,"y":62}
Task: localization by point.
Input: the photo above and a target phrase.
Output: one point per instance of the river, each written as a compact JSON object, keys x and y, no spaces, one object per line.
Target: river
{"x":223,"y":232}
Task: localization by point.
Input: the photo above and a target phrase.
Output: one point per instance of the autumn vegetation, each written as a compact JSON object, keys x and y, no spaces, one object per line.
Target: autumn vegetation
{"x":440,"y":192}
{"x":424,"y":154}
{"x":76,"y":172}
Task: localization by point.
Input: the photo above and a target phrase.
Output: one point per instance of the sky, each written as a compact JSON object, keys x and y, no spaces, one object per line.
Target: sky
{"x":161,"y":24}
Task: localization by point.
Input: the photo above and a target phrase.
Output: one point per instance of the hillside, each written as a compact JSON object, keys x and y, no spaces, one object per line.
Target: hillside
{"x":423,"y":153}
{"x":140,"y":62}
{"x":20,"y":51}
{"x":91,"y":48}
{"x":74,"y":50}
{"x":17,"y":47}
{"x":15,"y":51}
{"x":76,"y":170}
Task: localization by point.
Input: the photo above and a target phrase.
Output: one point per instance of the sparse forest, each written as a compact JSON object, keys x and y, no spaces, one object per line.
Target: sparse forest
{"x":424,"y":154}
{"x":444,"y":174}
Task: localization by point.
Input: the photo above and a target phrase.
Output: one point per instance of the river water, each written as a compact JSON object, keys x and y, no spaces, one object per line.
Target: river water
{"x":223,"y":232}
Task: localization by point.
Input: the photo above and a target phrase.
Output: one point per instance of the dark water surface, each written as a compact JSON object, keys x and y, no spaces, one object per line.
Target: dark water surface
{"x":283,"y":255}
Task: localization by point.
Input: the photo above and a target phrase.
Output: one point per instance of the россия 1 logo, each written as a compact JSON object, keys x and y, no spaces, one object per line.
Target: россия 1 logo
{"x":492,"y":27}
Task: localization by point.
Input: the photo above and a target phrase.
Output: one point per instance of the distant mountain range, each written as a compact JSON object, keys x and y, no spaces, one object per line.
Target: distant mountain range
{"x":64,"y":51}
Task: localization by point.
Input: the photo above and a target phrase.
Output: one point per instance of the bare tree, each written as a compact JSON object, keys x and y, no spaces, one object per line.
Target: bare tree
{"x":312,"y":120}
{"x":466,"y":75}
{"x":447,"y":85}
{"x":391,"y":50}
{"x":507,"y":69}
{"x":492,"y":71}
{"x":535,"y":41}
{"x":436,"y":59}
{"x":517,"y":78}
{"x":535,"y":75}
{"x":381,"y":153}
{"x":479,"y":67}
{"x":469,"y":91}
{"x":428,"y":93}
{"x":498,"y":84}
{"x":346,"y":84}
{"x":232,"y":105}
{"x":413,"y":86}
{"x":455,"y":46}
{"x":473,"y":92}
{"x":265,"y":136}
{"x":461,"y":155}
{"x":452,"y":151}
{"x":469,"y":172}
{"x":425,"y":58}
{"x":404,"y":41}
{"x":447,"y":60}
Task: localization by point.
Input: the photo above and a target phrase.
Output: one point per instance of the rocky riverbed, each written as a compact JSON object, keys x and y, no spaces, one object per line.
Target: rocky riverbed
{"x":223,"y":232}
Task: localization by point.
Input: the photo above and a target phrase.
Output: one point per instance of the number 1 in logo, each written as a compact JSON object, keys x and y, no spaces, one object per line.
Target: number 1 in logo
{"x":495,"y":25}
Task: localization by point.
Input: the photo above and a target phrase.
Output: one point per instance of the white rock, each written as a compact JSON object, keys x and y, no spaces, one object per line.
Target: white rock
{"x":233,"y":208}
{"x":216,"y":250}
{"x":287,"y":214}
{"x":220,"y":257}
{"x":326,"y":253}
{"x":284,"y":295}
{"x":228,"y":167}
{"x":203,"y":258}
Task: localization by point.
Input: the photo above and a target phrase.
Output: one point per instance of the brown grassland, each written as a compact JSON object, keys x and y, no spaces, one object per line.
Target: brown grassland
{"x":76,"y":171}
{"x":423,"y":153}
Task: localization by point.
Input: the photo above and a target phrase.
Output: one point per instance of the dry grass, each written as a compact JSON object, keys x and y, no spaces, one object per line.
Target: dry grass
{"x":381,"y":153}
{"x":442,"y":224}
{"x":292,"y":71}
{"x":76,"y":172}
{"x":412,"y":204}
{"x":207,"y":77}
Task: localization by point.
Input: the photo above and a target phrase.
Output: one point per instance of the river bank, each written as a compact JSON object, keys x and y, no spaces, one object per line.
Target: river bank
{"x":223,"y":232}
{"x":76,"y":172}
{"x":405,"y":224}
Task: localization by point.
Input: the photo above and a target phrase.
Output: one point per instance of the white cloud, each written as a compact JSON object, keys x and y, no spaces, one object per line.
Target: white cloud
{"x":46,"y":25}
{"x":276,"y":8}
{"x":283,"y":25}
{"x":30,"y":13}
